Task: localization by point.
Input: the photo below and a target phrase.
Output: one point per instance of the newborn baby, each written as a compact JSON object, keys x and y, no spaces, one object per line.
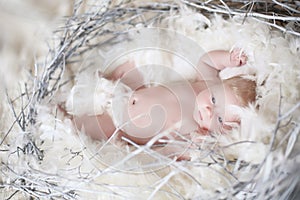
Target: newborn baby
{"x":183,"y":107}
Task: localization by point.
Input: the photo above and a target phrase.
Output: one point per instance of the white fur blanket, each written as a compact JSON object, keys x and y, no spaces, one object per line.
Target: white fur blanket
{"x":258,"y":161}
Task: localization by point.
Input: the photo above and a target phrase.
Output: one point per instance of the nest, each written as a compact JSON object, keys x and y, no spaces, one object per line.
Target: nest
{"x":27,"y":150}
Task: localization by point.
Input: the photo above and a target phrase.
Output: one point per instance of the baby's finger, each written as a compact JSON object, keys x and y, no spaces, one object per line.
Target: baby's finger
{"x":242,"y":60}
{"x":235,"y":52}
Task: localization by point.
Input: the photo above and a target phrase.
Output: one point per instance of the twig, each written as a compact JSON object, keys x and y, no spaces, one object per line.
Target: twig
{"x":284,"y":30}
{"x":85,"y":32}
{"x":286,"y":6}
{"x":254,"y":15}
{"x":162,"y":183}
{"x":289,"y":112}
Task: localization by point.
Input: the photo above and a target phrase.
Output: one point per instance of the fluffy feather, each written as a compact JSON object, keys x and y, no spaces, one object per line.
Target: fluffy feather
{"x":221,"y":164}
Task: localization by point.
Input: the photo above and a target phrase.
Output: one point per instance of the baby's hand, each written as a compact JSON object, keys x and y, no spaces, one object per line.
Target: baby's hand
{"x":237,"y":57}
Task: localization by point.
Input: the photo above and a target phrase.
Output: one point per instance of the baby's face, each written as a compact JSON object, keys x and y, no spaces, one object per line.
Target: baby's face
{"x":212,"y":110}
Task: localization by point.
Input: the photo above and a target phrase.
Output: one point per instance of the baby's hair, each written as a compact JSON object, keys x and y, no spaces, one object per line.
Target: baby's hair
{"x":244,"y":89}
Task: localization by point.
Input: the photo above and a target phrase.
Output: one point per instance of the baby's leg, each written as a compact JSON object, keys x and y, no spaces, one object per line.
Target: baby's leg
{"x":99,"y":127}
{"x":128,"y":74}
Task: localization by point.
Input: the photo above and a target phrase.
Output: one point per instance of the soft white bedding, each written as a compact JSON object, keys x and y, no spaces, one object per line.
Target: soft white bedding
{"x":257,"y":160}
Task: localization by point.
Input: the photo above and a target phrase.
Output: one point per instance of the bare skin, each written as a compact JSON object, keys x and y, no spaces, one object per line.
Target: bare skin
{"x":183,"y":106}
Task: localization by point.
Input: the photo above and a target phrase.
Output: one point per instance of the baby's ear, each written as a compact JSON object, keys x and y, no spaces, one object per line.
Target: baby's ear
{"x":229,"y":126}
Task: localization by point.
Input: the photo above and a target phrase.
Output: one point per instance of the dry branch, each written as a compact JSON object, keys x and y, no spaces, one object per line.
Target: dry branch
{"x":83,"y":32}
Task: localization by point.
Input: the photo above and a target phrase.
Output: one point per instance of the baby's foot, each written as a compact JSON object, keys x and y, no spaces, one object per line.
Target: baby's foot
{"x":238,"y":57}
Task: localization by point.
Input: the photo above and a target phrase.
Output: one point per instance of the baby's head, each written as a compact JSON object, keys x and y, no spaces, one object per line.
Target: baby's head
{"x":244,"y":89}
{"x":214,"y":105}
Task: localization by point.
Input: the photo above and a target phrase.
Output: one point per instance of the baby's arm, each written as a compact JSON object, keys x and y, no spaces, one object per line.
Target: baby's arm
{"x":220,"y":59}
{"x":128,"y":74}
